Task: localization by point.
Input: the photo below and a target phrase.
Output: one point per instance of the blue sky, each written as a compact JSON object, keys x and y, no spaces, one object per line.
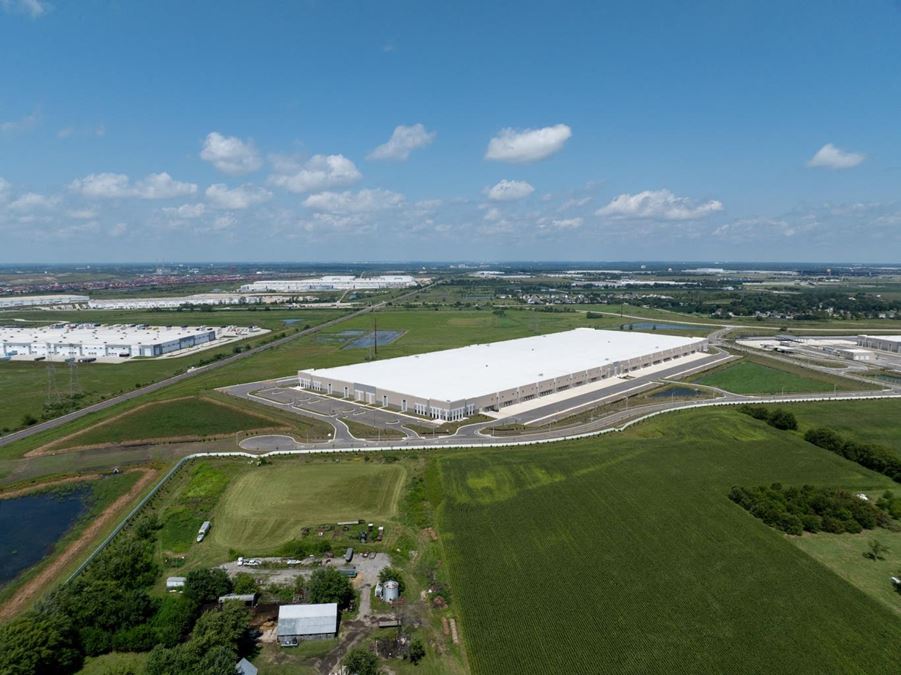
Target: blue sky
{"x":313,"y":131}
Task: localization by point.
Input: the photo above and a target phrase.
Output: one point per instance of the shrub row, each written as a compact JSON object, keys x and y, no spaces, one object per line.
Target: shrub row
{"x":778,"y":418}
{"x":812,"y":509}
{"x":874,"y":457}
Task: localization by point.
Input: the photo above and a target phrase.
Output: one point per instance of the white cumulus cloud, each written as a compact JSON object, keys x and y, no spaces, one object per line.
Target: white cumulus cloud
{"x":527,"y":145}
{"x":162,"y":186}
{"x":118,"y":185}
{"x":509,"y":190}
{"x":5,"y":189}
{"x":320,"y":172}
{"x":658,"y":205}
{"x":364,"y":201}
{"x":831,"y":157}
{"x":230,"y":154}
{"x":403,"y":141}
{"x":560,"y":223}
{"x":33,"y":8}
{"x":31,"y":201}
{"x":186,"y":211}
{"x":240,"y":197}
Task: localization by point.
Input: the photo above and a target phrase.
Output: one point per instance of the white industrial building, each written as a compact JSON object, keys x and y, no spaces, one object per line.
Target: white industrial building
{"x":456,"y":383}
{"x":885,"y":343}
{"x":175,"y":302}
{"x":338,"y":282}
{"x":306,"y":622}
{"x":41,"y":300}
{"x":88,"y":340}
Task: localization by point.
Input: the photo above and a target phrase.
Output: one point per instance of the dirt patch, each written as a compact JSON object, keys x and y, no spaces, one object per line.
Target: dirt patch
{"x":37,"y":487}
{"x":48,"y":574}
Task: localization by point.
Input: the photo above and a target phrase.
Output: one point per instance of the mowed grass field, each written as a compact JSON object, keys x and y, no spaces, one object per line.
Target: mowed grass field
{"x":266,"y":507}
{"x":750,"y":377}
{"x":866,"y":422}
{"x":624,"y":554}
{"x":843,"y":553}
{"x":180,"y":418}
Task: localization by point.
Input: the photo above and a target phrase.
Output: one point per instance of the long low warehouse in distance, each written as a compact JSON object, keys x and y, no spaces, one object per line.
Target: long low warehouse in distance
{"x":95,"y":341}
{"x":456,"y":383}
{"x":885,"y":343}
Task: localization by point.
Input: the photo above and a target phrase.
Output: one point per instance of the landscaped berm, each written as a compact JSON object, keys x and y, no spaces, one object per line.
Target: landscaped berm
{"x":624,"y":554}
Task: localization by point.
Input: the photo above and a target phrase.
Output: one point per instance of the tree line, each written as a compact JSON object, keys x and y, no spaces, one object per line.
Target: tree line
{"x":776,"y":417}
{"x":813,"y":509}
{"x":876,"y":457}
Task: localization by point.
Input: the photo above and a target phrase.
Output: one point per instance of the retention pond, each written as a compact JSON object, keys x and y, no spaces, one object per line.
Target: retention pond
{"x":31,"y":525}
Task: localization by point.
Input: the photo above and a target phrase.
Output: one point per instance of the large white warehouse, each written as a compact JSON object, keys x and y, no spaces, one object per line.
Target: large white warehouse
{"x":330,"y":283}
{"x":65,"y":341}
{"x":41,"y":300}
{"x":456,"y":383}
{"x":885,"y":343}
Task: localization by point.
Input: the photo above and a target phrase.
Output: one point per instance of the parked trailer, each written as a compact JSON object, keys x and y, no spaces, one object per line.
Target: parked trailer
{"x":348,"y":555}
{"x":203,"y":531}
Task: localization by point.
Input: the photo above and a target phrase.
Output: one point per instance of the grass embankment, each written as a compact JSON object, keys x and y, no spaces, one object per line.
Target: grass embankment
{"x":360,"y":430}
{"x":759,"y":376}
{"x":648,"y":566}
{"x":184,"y":419}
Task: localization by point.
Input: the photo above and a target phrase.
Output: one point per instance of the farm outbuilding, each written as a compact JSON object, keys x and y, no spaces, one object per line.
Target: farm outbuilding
{"x":246,"y":599}
{"x":306,"y":622}
{"x":175,"y":584}
{"x":456,"y":383}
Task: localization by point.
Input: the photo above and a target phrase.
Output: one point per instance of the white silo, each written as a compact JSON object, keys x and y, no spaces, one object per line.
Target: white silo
{"x":391,"y":591}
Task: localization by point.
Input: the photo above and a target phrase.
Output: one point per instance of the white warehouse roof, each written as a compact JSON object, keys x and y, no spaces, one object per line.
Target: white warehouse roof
{"x":99,"y":334}
{"x":888,"y":338}
{"x":307,"y":619}
{"x":476,"y":370}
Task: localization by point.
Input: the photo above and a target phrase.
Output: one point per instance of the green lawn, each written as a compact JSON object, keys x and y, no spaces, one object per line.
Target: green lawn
{"x":750,"y":377}
{"x":115,"y":663}
{"x":267,"y":506}
{"x":360,"y":430}
{"x":843,"y":554}
{"x":180,"y":418}
{"x":624,"y":554}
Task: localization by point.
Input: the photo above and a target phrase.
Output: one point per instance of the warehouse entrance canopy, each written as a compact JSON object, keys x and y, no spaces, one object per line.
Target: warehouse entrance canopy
{"x":455,"y":383}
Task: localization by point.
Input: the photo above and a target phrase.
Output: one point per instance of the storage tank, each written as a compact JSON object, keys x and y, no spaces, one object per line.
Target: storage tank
{"x":391,"y":591}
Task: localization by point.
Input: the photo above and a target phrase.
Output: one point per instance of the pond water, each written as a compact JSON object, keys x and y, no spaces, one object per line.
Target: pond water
{"x":31,"y":525}
{"x":655,"y":325}
{"x":337,"y":338}
{"x":385,"y":337}
{"x":290,"y":322}
{"x":677,"y":392}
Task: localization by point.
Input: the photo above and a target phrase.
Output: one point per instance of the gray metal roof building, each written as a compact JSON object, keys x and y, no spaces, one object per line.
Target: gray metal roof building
{"x":306,"y":622}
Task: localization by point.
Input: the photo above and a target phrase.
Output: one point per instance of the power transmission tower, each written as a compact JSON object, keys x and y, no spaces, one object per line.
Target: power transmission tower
{"x":74,"y":384}
{"x":53,"y":395}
